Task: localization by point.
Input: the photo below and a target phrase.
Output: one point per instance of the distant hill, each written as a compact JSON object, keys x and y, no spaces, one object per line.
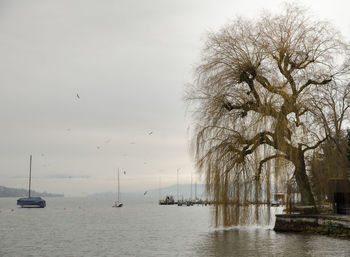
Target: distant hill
{"x":14,"y":192}
{"x":184,"y":192}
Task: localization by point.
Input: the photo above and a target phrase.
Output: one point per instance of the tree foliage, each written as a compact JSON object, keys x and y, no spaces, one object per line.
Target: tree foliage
{"x":331,"y":162}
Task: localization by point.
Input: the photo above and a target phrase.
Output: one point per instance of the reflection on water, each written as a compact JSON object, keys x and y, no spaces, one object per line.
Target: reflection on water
{"x":250,"y":215}
{"x":266,"y":242}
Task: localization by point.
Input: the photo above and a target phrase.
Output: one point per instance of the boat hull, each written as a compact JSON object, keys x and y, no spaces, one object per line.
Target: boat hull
{"x":31,"y":202}
{"x":117,"y":204}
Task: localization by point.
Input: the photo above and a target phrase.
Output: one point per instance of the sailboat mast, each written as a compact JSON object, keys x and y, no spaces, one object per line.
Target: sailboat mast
{"x":191,"y":188}
{"x":160,"y":195}
{"x":177,"y":186}
{"x":195,"y":190}
{"x":118,"y":185}
{"x":30,"y":173}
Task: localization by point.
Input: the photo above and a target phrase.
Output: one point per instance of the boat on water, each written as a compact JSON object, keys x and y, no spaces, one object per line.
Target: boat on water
{"x":31,"y":202}
{"x":275,"y":203}
{"x":169,"y":200}
{"x":118,"y":203}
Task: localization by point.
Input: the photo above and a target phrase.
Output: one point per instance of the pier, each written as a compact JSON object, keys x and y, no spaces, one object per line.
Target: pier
{"x":169,"y":200}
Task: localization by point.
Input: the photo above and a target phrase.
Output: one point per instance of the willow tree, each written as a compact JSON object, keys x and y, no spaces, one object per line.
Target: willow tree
{"x":255,"y":94}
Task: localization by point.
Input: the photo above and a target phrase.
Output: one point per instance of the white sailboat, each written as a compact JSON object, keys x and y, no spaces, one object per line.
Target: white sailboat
{"x":118,"y":203}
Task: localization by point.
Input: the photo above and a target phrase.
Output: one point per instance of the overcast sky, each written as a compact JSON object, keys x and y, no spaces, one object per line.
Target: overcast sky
{"x":129,"y":62}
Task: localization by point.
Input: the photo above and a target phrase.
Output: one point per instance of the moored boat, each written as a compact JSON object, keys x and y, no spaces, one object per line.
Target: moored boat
{"x":118,"y":203}
{"x":31,"y":202}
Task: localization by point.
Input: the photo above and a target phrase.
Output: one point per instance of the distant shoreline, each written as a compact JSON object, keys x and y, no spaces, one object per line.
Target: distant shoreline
{"x":15,"y":192}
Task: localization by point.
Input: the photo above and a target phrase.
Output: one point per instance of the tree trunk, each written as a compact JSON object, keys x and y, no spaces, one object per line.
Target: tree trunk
{"x":302,"y":180}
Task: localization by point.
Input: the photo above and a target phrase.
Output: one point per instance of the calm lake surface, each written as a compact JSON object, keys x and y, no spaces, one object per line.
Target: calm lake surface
{"x":91,"y":227}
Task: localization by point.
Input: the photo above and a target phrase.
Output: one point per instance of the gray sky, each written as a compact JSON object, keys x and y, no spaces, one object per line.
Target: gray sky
{"x":129,"y":62}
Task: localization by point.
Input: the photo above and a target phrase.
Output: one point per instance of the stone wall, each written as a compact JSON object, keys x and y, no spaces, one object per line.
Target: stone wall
{"x":336,"y":225}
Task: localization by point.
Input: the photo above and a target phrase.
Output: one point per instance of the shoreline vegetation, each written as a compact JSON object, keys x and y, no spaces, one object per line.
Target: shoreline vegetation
{"x":15,"y":192}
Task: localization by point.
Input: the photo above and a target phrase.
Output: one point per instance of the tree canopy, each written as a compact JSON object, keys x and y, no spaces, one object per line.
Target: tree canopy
{"x":268,"y":92}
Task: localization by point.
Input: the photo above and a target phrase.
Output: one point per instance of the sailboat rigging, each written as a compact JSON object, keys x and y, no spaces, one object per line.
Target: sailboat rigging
{"x":118,"y":203}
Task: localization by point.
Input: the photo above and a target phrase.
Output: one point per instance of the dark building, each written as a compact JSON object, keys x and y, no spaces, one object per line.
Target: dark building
{"x":339,"y":195}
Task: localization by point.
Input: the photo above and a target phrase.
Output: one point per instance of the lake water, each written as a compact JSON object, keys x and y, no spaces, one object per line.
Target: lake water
{"x":91,"y":227}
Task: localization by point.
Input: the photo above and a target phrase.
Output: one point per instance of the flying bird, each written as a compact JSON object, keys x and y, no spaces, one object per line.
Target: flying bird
{"x":78,"y":96}
{"x":150,"y":133}
{"x":124,"y":172}
{"x":145,"y":193}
